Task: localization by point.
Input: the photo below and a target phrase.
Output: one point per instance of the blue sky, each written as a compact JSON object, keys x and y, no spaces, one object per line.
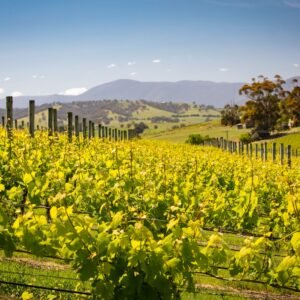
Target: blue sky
{"x":67,"y":46}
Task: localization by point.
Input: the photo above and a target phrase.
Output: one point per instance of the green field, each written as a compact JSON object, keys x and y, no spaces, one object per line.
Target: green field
{"x":212,"y":129}
{"x":215,"y":130}
{"x":292,"y":139}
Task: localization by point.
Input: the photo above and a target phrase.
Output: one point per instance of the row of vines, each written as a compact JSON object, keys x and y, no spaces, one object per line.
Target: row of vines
{"x":140,"y":219}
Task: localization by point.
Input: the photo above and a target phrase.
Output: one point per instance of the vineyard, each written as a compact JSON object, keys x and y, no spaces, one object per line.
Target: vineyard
{"x":148,"y":220}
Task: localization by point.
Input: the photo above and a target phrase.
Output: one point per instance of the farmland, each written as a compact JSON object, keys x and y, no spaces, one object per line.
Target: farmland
{"x":137,"y":219}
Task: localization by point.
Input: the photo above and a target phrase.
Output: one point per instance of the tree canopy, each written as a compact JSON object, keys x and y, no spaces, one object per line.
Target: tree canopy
{"x":263,"y":106}
{"x":230,"y":115}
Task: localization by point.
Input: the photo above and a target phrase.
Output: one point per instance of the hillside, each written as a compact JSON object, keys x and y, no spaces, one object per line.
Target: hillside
{"x":157,"y":116}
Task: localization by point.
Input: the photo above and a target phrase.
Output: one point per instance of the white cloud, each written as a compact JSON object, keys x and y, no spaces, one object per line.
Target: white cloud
{"x":223,"y":69}
{"x":73,"y":91}
{"x":131,"y":63}
{"x":133,"y":73}
{"x":292,"y":3}
{"x":111,"y":66}
{"x":1,"y":91}
{"x":7,"y":79}
{"x":296,"y":65}
{"x":156,"y":61}
{"x":16,"y":94}
{"x":36,"y":76}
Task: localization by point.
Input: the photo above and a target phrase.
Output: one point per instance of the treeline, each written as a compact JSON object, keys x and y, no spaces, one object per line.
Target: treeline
{"x":269,"y":106}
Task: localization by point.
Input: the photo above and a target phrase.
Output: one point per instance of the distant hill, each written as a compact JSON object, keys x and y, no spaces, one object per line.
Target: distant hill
{"x":200,"y":92}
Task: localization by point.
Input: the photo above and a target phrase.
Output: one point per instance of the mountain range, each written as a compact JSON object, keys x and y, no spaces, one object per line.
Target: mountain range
{"x":201,"y":92}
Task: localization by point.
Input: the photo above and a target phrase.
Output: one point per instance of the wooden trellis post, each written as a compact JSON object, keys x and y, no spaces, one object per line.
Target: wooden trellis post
{"x":55,"y":127}
{"x":70,"y":126}
{"x":31,"y":117}
{"x":84,"y":128}
{"x":50,"y":121}
{"x":9,"y":116}
{"x":77,"y":126}
{"x":274,"y":152}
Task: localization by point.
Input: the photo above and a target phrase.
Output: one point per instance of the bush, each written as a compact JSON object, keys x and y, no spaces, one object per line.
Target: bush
{"x":246,"y":138}
{"x":197,"y":139}
{"x":260,"y":135}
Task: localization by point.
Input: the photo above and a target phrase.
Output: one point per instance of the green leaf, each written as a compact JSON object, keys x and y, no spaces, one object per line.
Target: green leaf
{"x":295,"y":241}
{"x":53,"y":212}
{"x":26,"y":295}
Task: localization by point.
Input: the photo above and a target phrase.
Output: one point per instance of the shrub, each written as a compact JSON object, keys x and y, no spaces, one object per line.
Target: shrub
{"x":197,"y":139}
{"x":260,"y":135}
{"x":246,"y":138}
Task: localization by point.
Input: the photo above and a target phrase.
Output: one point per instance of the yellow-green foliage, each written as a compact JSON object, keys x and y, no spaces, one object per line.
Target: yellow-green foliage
{"x":136,"y":218}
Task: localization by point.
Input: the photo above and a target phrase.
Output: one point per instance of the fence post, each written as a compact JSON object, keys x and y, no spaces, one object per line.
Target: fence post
{"x":281,"y":153}
{"x":9,"y":116}
{"x":106,"y":132}
{"x":289,"y":155}
{"x":93,"y":129}
{"x":90,"y":129}
{"x":84,"y":128}
{"x":76,"y":126}
{"x":125,"y":135}
{"x":103,"y":132}
{"x":266,"y":152}
{"x":109,"y":133}
{"x":70,"y":126}
{"x":55,"y":127}
{"x":31,"y":117}
{"x":112,"y":134}
{"x":50,"y":121}
{"x":251,"y":150}
{"x":247,"y":149}
{"x":274,"y":152}
{"x":262,"y":151}
{"x":116,"y":134}
{"x":99,"y":131}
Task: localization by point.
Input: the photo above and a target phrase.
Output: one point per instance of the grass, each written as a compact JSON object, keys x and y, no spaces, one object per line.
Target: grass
{"x":27,"y":269}
{"x":292,"y":139}
{"x":212,"y":129}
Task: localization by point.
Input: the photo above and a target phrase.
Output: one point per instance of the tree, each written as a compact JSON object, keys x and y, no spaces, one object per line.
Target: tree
{"x":140,"y":127}
{"x":291,"y":106}
{"x":230,"y":115}
{"x":263,"y":107}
